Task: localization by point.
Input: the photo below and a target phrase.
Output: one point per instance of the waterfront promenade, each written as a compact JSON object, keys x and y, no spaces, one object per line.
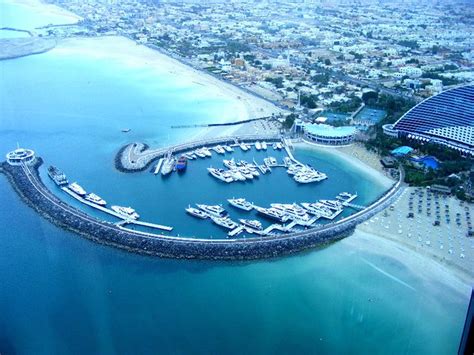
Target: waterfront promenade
{"x":27,"y":182}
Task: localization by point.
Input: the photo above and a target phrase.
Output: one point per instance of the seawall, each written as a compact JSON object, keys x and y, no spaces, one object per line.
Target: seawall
{"x":27,"y":183}
{"x":135,"y":157}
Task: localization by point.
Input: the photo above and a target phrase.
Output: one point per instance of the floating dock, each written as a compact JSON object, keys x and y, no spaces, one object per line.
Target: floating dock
{"x":124,"y":220}
{"x":158,"y":166}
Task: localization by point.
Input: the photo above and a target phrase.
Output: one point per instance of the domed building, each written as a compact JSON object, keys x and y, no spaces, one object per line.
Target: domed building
{"x":446,"y":119}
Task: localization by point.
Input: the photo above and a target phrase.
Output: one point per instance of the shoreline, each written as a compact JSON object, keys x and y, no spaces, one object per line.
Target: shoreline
{"x":421,"y":264}
{"x":42,"y":8}
{"x":357,"y":163}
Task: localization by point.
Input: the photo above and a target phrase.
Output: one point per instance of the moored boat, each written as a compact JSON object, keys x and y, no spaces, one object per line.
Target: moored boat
{"x":77,"y":189}
{"x":225,"y":222}
{"x":241,"y":203}
{"x":251,"y":223}
{"x":127,"y":212}
{"x":197,"y":212}
{"x":213,"y":210}
{"x":181,"y":164}
{"x":57,"y":176}
{"x":91,"y":197}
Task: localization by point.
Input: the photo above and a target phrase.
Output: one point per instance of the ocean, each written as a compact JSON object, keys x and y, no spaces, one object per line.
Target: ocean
{"x":62,"y":294}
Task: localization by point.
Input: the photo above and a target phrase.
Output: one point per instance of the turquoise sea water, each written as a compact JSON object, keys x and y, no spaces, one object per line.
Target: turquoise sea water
{"x":61,"y":294}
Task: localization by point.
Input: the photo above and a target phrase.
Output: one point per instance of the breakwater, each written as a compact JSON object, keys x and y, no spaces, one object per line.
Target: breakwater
{"x":136,"y":157}
{"x":27,"y":183}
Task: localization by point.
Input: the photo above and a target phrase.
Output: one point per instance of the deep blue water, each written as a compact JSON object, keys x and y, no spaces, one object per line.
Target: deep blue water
{"x":62,"y":294}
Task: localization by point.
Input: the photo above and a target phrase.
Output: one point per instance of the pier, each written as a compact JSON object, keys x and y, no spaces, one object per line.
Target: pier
{"x":136,"y":157}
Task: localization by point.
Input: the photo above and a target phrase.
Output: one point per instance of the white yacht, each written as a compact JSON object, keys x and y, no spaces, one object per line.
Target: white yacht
{"x":95,"y":199}
{"x":243,"y":146}
{"x":292,"y":210}
{"x":196,"y":212}
{"x":77,"y":189}
{"x":264,"y":145}
{"x":333,"y":205}
{"x":272,"y":213}
{"x":252,"y":223}
{"x":229,"y":163}
{"x":237,"y":175}
{"x":127,"y":212}
{"x":317,"y":209}
{"x":221,"y":174}
{"x":279,"y":145}
{"x":199,"y":153}
{"x":274,"y":146}
{"x":206,"y":152}
{"x":168,"y":165}
{"x":258,"y":146}
{"x":246,"y":173}
{"x":219,"y":149}
{"x":241,"y":203}
{"x":213,"y":210}
{"x":225,"y":222}
{"x":228,"y":148}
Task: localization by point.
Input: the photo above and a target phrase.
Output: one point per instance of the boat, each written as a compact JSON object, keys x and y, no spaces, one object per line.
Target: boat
{"x":293,"y":211}
{"x":77,"y":189}
{"x":221,"y":174}
{"x":168,"y":165}
{"x":213,"y":210}
{"x":273,"y":161}
{"x":127,"y":212}
{"x":219,"y":149}
{"x":95,"y":199}
{"x":190,"y":156}
{"x":286,"y":161}
{"x":258,"y":146}
{"x":126,"y":130}
{"x":199,"y":153}
{"x":246,"y":173}
{"x":225,"y":222}
{"x":228,"y":148}
{"x":264,"y":145}
{"x":206,"y":152}
{"x":181,"y":164}
{"x":317,"y":209}
{"x":333,"y":205}
{"x":229,"y":163}
{"x":252,"y":223}
{"x":57,"y":176}
{"x":274,"y":146}
{"x":279,"y":145}
{"x":272,"y":213}
{"x":196,"y":212}
{"x":236,"y":175}
{"x":243,"y":146}
{"x":306,"y":177}
{"x":241,"y":203}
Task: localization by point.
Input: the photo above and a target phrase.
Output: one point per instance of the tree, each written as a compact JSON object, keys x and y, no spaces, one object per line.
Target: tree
{"x":366,"y":96}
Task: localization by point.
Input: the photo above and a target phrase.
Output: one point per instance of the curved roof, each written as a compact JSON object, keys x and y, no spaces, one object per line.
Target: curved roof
{"x":323,"y":130}
{"x":449,"y":116}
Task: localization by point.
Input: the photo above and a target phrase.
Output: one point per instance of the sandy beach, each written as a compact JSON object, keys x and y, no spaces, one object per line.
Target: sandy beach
{"x":447,"y":243}
{"x":41,"y":8}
